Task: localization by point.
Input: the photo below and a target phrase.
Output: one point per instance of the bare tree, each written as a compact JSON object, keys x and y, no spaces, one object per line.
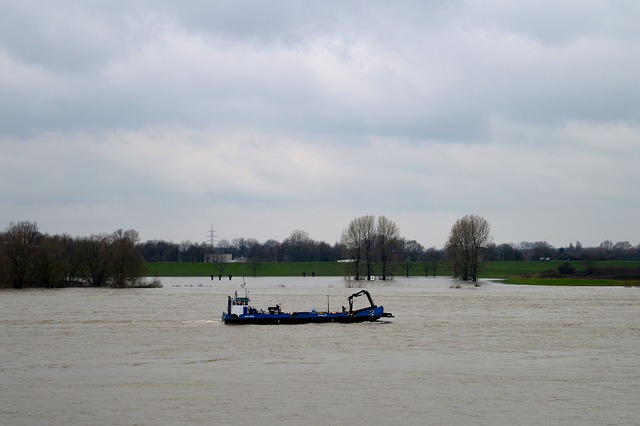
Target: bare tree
{"x":244,"y":247}
{"x":367,"y":226}
{"x":95,"y":258}
{"x":506,"y":251}
{"x":466,"y":244}
{"x":126,"y":266}
{"x":606,"y":249}
{"x":51,"y":263}
{"x":220,"y":265}
{"x":297,"y":246}
{"x":19,"y":243}
{"x":351,"y":242}
{"x":366,"y":240}
{"x":541,"y":250}
{"x":412,"y":251}
{"x":388,"y":239}
{"x":589,"y":256}
{"x":430,"y":260}
{"x":622,"y":250}
{"x":271,"y":250}
{"x":254,"y":263}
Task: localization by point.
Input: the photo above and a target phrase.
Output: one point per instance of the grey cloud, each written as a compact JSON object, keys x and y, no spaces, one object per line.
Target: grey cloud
{"x":426,"y":71}
{"x":255,"y":105}
{"x":62,"y":37}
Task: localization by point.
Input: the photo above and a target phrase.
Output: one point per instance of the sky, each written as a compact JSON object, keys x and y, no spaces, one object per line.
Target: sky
{"x":259,"y":118}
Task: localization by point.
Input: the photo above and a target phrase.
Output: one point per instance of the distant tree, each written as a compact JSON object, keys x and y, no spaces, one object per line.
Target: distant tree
{"x":19,"y":244}
{"x":572,"y":251}
{"x":323,"y":252}
{"x":95,"y":259}
{"x":388,"y":240}
{"x":253,"y":249}
{"x":507,"y":252}
{"x":271,"y":250}
{"x":622,"y":250}
{"x":412,"y":252}
{"x":430,"y":261}
{"x":52,"y":265}
{"x":223,"y":246}
{"x":542,"y":250}
{"x":466,"y":244}
{"x":589,"y":256}
{"x":4,"y":262}
{"x":160,"y":251}
{"x":606,"y":249}
{"x":368,"y":229}
{"x":126,"y":264}
{"x":366,"y":240}
{"x":193,"y":251}
{"x":297,"y":246}
{"x":351,"y":241}
{"x":219,"y":266}
{"x":243,"y":247}
{"x":254,"y":263}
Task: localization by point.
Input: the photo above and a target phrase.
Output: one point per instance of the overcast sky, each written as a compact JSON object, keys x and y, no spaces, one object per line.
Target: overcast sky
{"x":262,"y":117}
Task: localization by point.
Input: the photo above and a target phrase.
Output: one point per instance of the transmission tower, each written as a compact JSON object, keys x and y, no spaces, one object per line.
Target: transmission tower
{"x":212,"y":238}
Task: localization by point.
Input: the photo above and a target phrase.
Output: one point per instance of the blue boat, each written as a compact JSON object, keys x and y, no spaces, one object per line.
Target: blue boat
{"x":240,"y":312}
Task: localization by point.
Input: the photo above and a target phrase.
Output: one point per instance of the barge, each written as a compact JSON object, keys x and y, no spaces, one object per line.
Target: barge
{"x":239,"y":311}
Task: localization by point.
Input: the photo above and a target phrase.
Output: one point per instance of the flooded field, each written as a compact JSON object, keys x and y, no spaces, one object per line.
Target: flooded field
{"x":488,"y":355}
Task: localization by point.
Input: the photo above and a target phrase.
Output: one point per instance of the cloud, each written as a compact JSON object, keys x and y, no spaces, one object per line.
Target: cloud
{"x":262,"y":118}
{"x":209,"y":64}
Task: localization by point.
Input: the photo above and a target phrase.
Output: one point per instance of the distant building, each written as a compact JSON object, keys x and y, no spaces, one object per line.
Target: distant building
{"x":217,"y":257}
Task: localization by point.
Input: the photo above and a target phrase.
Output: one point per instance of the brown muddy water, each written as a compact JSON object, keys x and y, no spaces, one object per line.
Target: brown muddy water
{"x":488,"y":355}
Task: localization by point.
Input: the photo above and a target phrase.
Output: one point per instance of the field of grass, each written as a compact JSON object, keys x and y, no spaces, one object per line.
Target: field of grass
{"x":511,"y":272}
{"x":532,"y":273}
{"x":267,"y":269}
{"x":604,"y":282}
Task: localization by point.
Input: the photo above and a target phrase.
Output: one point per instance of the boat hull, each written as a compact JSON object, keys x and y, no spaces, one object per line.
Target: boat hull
{"x":366,"y":315}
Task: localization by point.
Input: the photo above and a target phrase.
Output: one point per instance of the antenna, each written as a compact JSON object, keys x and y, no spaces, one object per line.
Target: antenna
{"x":244,"y":285}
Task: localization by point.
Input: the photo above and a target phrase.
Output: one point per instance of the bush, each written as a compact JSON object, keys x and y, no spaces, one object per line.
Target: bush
{"x":566,"y":269}
{"x":146,"y":283}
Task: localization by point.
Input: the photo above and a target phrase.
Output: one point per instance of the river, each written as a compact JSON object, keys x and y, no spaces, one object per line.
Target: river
{"x":489,"y":355}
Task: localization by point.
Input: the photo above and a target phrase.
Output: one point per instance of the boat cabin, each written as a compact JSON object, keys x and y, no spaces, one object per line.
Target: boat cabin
{"x":239,"y":306}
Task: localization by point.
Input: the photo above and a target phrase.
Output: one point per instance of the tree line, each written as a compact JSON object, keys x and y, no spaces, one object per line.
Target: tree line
{"x":309,"y":250}
{"x":298,"y":247}
{"x":541,"y":250}
{"x":370,"y":246}
{"x":29,"y":258}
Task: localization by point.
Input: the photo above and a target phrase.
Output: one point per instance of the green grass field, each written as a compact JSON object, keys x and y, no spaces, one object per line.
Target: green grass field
{"x":511,"y":272}
{"x":270,"y":269}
